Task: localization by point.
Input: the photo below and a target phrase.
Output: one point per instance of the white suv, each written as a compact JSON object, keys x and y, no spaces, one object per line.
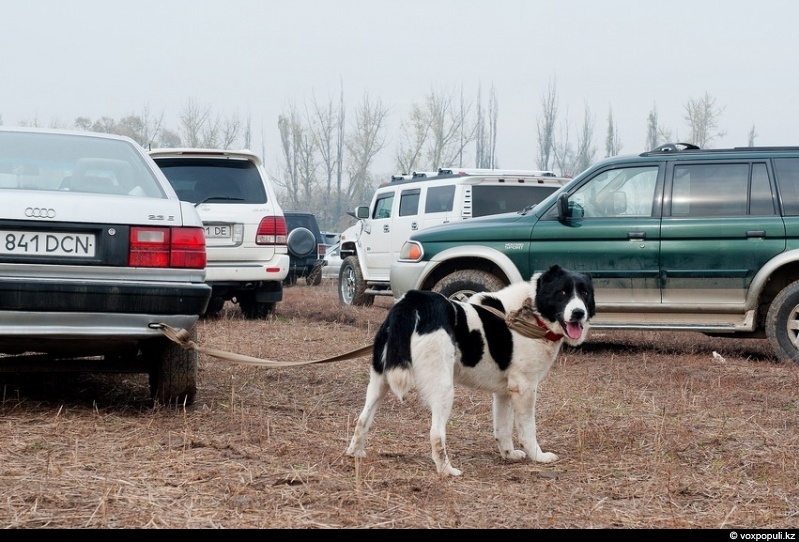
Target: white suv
{"x":245,"y":230}
{"x":411,"y":203}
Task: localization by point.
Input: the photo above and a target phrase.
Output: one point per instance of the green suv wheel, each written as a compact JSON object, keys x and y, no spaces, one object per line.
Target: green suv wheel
{"x":782,"y":323}
{"x":461,"y":285}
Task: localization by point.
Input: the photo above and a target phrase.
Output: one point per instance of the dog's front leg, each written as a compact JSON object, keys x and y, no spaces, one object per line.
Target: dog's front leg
{"x":375,"y":393}
{"x":524,"y":408}
{"x":503,"y":427}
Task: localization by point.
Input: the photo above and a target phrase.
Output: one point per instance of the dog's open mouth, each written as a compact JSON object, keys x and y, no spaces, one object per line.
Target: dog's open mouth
{"x":574,"y":329}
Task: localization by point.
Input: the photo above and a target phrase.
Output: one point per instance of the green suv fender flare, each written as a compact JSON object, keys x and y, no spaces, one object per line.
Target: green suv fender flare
{"x":765,"y":274}
{"x":474,"y":253}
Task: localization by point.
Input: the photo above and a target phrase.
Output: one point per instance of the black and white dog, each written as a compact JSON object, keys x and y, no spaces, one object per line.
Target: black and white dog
{"x":432,"y":342}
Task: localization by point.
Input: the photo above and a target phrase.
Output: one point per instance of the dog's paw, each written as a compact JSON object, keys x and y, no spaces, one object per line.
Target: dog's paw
{"x":449,"y":470}
{"x":546,"y":457}
{"x":514,"y":455}
{"x":352,"y":451}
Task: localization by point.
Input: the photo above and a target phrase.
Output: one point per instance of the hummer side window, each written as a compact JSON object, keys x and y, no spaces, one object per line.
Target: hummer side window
{"x":409,"y":202}
{"x":383,"y":206}
{"x":440,"y":199}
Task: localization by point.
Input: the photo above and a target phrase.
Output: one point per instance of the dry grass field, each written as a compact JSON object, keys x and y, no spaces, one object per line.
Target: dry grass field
{"x":652,"y":430}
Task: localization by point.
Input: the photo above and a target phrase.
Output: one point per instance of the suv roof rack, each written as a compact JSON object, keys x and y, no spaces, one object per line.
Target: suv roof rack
{"x":672,"y":147}
{"x":466,"y":171}
{"x":668,"y":148}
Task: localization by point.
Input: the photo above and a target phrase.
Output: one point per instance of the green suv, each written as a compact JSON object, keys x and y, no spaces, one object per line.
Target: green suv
{"x":677,"y":238}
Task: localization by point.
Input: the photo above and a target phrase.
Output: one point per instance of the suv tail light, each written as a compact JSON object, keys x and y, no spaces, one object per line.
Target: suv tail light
{"x":271,"y":231}
{"x":167,"y":247}
{"x":322,"y":249}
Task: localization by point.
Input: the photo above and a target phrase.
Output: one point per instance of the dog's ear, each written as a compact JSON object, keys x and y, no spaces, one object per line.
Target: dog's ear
{"x":589,"y":291}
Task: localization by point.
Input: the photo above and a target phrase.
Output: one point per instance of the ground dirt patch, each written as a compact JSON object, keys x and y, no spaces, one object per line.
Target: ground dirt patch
{"x":652,"y":429}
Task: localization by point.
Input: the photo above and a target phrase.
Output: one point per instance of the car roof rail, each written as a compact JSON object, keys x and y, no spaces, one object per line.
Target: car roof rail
{"x":671,"y":147}
{"x":452,"y":170}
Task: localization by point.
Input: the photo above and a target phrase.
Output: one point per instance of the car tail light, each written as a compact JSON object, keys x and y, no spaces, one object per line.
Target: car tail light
{"x":322,"y":248}
{"x":167,"y":247}
{"x":271,"y":231}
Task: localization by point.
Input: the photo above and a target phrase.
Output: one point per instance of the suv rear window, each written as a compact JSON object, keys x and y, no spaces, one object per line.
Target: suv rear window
{"x":219,"y":180}
{"x":492,"y":199}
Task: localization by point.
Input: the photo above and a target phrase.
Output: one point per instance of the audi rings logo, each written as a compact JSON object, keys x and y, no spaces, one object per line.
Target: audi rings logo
{"x":39,"y":212}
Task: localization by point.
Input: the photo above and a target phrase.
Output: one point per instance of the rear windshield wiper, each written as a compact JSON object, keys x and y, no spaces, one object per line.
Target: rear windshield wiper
{"x":222,"y":198}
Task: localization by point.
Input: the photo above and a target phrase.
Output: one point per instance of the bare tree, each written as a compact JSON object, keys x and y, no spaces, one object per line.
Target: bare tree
{"x":752,"y":136}
{"x":652,"y":132}
{"x":323,"y":121}
{"x":586,"y":152}
{"x":192,"y":119}
{"x":414,"y":134}
{"x":612,"y":140}
{"x":230,"y":131}
{"x":435,"y":133}
{"x":291,"y":135}
{"x":702,"y":115}
{"x":363,"y":144}
{"x":486,"y":132}
{"x":546,"y":125}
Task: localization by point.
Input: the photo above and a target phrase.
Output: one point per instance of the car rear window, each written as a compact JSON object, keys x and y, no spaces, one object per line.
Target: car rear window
{"x":495,"y":199}
{"x":214,"y":180}
{"x":74,"y":163}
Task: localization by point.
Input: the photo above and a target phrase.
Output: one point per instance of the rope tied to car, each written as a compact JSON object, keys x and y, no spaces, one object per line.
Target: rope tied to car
{"x":525,"y":321}
{"x":183,"y":338}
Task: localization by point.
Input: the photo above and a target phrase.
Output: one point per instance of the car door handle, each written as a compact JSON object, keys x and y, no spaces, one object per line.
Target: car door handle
{"x":636,"y":235}
{"x":756,"y":233}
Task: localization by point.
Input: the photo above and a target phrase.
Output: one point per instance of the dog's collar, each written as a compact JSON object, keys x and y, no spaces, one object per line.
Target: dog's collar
{"x":551,"y":335}
{"x":521,"y":321}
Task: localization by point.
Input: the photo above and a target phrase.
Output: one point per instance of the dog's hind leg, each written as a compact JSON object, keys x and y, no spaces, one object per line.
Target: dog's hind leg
{"x":441,"y":408}
{"x":375,"y":393}
{"x":503,"y":427}
{"x":523,"y":400}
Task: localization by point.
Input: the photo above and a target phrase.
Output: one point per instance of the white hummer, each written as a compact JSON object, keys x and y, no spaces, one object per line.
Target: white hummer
{"x":410,"y":203}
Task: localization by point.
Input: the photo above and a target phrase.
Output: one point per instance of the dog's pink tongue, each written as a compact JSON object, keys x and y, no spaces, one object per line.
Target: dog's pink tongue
{"x":574,"y":330}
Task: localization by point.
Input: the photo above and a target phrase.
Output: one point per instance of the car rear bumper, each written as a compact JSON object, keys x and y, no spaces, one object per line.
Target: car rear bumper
{"x":81,"y":296}
{"x":82,"y":333}
{"x":275,"y":269}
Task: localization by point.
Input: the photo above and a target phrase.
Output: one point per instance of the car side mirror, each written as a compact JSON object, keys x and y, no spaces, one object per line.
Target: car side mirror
{"x":362,"y":212}
{"x":568,"y":210}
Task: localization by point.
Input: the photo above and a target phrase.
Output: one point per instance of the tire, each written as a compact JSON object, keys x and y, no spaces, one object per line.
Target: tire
{"x":173,"y":372}
{"x":782,"y":323}
{"x":252,"y":309}
{"x":314,"y":278}
{"x":351,"y":286}
{"x":461,"y":285}
{"x":301,"y":242}
{"x":215,"y":305}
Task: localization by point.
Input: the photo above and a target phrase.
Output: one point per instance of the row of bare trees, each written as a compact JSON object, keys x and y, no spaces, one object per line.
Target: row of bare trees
{"x":328,"y":153}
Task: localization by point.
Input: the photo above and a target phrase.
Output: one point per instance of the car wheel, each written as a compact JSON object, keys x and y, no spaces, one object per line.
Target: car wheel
{"x":215,"y":305}
{"x":315,"y":276}
{"x":252,"y":309}
{"x":461,"y":285}
{"x":782,"y":323}
{"x":173,"y":371}
{"x":351,"y":286}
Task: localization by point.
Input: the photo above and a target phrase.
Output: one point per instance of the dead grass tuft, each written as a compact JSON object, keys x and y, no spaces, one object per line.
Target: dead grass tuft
{"x":651,"y":428}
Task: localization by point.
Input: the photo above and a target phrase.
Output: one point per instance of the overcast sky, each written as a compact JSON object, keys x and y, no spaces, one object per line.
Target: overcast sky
{"x":60,"y":59}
